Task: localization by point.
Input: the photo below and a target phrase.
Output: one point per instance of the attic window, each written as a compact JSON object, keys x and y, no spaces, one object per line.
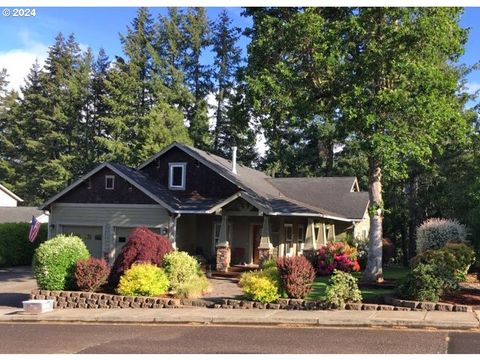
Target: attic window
{"x":109,"y":182}
{"x":176,"y":176}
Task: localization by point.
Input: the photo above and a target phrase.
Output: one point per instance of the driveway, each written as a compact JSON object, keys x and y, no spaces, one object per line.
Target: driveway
{"x":15,"y":285}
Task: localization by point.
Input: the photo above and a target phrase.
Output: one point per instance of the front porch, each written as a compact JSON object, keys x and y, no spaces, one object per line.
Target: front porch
{"x":245,"y":236}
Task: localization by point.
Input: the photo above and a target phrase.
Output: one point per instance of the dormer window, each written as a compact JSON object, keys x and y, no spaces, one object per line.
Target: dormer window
{"x":109,"y":182}
{"x":176,"y":176}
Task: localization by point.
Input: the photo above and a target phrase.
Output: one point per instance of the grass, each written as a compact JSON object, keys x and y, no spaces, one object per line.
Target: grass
{"x":394,"y":273}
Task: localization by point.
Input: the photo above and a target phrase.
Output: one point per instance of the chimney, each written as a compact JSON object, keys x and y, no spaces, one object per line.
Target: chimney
{"x":234,"y":159}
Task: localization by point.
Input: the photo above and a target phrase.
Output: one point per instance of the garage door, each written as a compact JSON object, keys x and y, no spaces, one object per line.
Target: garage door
{"x":91,"y":236}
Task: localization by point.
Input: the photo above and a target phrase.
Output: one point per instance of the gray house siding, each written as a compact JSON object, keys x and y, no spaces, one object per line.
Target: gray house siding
{"x":115,"y":220}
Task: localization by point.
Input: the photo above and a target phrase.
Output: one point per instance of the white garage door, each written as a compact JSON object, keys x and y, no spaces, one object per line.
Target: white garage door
{"x":91,"y":235}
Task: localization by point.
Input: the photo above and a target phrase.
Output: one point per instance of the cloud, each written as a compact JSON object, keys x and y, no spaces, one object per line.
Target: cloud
{"x":18,"y":61}
{"x":472,"y":87}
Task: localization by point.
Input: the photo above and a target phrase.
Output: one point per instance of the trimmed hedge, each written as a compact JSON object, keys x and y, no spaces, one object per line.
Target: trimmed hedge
{"x":15,"y":248}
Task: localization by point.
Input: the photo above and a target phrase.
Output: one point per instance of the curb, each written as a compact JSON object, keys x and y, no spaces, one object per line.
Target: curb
{"x":416,"y":320}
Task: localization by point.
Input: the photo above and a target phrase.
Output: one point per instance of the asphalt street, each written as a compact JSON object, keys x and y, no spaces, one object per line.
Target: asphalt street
{"x":101,"y":339}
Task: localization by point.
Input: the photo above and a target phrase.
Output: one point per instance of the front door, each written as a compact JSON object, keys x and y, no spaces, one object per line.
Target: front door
{"x":256,"y":235}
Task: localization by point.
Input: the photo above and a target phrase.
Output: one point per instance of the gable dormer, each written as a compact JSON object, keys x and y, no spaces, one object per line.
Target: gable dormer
{"x":182,"y":173}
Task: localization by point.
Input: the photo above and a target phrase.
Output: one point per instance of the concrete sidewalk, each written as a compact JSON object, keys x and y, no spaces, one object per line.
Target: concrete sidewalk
{"x":410,"y":319}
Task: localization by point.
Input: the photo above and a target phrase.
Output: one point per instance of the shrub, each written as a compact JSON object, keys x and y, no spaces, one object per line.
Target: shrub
{"x":296,"y":275}
{"x":15,"y":249}
{"x":453,"y":260}
{"x":193,"y":288}
{"x":342,"y":288}
{"x":180,"y":268}
{"x":435,"y":233}
{"x":54,"y":262}
{"x":268,"y":264}
{"x":91,"y":274}
{"x":434,"y":272}
{"x":259,"y":287}
{"x":143,"y":246}
{"x":338,"y":256}
{"x":361,"y":245}
{"x":423,"y":283}
{"x":258,"y":290}
{"x":143,"y":279}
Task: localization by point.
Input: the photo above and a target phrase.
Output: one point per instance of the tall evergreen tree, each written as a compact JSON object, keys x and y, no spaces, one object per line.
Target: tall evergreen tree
{"x":196,"y":30}
{"x":227,"y":57}
{"x":8,"y":132}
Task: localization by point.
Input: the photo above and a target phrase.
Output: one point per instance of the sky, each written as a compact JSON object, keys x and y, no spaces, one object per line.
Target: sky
{"x":25,"y":38}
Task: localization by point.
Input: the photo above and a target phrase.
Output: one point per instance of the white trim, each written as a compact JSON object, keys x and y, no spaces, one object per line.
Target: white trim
{"x":119,"y":173}
{"x":108,"y":177}
{"x":11,"y":194}
{"x":171,"y":166}
{"x":106,"y":205}
{"x":355,"y":186}
{"x":318,"y":215}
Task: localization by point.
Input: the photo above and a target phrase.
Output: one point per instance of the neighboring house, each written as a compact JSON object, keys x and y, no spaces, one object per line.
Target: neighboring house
{"x":208,"y":206}
{"x":11,"y":213}
{"x":8,"y":198}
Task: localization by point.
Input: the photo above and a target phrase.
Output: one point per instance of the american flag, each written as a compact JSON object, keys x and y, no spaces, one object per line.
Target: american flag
{"x":34,"y":229}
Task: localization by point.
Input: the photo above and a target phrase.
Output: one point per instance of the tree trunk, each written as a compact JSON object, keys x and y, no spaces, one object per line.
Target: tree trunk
{"x":413,"y":213}
{"x":373,"y":271}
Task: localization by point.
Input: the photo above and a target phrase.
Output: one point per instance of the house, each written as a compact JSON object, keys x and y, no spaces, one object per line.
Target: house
{"x":208,"y":206}
{"x":11,"y":213}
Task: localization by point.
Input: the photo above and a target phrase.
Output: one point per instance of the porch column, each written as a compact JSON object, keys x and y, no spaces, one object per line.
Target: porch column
{"x":265,"y":248}
{"x":223,"y":247}
{"x":310,"y":242}
{"x":331,"y":233}
{"x":109,"y":243}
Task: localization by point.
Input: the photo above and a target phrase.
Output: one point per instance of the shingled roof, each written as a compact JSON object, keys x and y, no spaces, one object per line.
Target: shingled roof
{"x":329,"y":196}
{"x":19,"y":214}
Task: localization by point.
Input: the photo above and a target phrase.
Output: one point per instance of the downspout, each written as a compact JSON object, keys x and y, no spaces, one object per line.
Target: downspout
{"x":173,"y":235}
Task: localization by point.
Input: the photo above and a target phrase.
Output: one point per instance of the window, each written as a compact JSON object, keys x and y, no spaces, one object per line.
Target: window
{"x":301,"y":233}
{"x":288,"y":232}
{"x":109,"y":182}
{"x":176,"y":176}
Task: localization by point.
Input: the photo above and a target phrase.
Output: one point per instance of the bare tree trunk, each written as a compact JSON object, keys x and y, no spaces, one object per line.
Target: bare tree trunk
{"x":413,"y":214}
{"x":373,"y":271}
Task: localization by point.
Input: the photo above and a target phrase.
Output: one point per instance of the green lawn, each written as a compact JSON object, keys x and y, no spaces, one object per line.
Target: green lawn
{"x":368,"y":293}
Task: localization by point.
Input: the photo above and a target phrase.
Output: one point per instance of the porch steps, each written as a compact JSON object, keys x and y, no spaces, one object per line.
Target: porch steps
{"x":234,"y":272}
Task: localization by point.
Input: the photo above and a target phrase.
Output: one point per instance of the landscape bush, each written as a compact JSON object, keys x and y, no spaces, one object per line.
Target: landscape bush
{"x":435,"y":233}
{"x":143,"y":246}
{"x":91,"y":274}
{"x":143,"y":279}
{"x":424,"y":283}
{"x":180,"y":268}
{"x":260,"y":286}
{"x":434,"y":272}
{"x":15,"y":248}
{"x":184,"y":274}
{"x":454,"y":259}
{"x":342,"y":288}
{"x":193,"y":288}
{"x":297,"y":275}
{"x":337,"y":256}
{"x":54,"y":262}
{"x":361,"y":245}
{"x":268,"y":264}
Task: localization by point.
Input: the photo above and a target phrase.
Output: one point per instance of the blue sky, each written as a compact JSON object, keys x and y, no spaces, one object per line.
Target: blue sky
{"x":24,"y":39}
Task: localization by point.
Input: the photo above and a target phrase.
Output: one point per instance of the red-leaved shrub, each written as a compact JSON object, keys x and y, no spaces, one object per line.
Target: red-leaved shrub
{"x":297,"y":275}
{"x":338,"y":256}
{"x":143,"y":246}
{"x":91,"y":274}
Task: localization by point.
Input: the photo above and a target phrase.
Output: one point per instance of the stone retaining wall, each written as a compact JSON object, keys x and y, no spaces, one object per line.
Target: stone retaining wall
{"x":86,"y":300}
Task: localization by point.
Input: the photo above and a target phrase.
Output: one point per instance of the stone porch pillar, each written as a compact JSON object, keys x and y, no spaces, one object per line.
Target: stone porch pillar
{"x":265,"y":248}
{"x":310,"y":247}
{"x":223,"y":251}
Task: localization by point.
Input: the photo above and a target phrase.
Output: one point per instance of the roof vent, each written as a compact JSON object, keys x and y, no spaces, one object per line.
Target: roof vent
{"x":234,"y":159}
